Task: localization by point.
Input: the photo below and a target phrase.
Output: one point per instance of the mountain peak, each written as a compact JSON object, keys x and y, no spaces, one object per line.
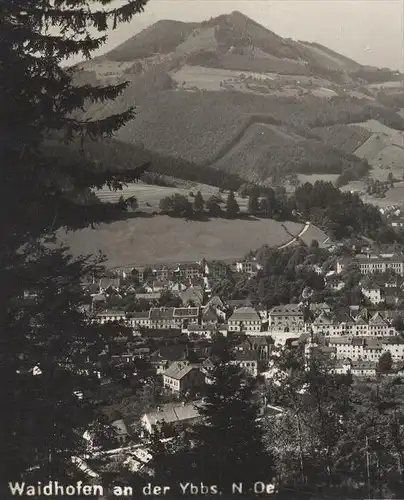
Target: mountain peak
{"x":237,"y":13}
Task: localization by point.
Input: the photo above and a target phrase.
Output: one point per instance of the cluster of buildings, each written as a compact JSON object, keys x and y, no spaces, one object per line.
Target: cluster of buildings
{"x":394,"y":215}
{"x":357,"y":334}
{"x":214,"y":269}
{"x":177,"y":340}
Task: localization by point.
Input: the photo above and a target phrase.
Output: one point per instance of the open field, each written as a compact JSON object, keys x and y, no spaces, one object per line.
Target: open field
{"x":149,"y":196}
{"x":210,"y":78}
{"x":215,"y":79}
{"x":147,"y":240}
{"x":384,"y":150}
{"x":394,"y":196}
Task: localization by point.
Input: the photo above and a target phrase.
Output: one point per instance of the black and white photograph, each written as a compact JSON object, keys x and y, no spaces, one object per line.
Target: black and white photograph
{"x":202,"y":249}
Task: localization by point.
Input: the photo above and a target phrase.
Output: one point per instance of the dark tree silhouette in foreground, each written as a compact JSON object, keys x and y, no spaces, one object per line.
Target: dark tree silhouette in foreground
{"x":42,"y":191}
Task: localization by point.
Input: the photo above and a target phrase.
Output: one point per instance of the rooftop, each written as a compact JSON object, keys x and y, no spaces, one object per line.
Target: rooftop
{"x":287,"y":309}
{"x":178,"y":370}
{"x":171,"y":413}
{"x":245,"y":314}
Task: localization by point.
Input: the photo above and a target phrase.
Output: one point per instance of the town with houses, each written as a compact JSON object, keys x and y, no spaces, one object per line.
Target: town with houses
{"x":175,"y":339}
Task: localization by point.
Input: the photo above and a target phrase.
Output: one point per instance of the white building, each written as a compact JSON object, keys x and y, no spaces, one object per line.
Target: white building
{"x":245,"y":319}
{"x":375,"y":264}
{"x":110,"y":316}
{"x":288,"y":316}
{"x":373,"y":293}
{"x":367,"y":348}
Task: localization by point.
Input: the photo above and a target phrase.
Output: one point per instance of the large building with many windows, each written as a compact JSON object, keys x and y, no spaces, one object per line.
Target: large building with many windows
{"x":372,"y":264}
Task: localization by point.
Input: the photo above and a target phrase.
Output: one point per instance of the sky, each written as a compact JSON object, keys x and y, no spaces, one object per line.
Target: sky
{"x":369,"y":31}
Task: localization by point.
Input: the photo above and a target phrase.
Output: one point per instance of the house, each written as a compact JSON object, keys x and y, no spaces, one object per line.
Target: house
{"x":356,"y":311}
{"x":162,"y":334}
{"x":325,"y":324}
{"x":120,"y":430}
{"x":172,"y":317}
{"x":176,"y":416}
{"x":391,"y":315}
{"x":361,"y":327}
{"x":334,"y":282}
{"x":245,"y":319}
{"x":363,"y":369}
{"x":181,"y":376}
{"x":207,"y":365}
{"x":373,"y":293}
{"x":368,"y":348}
{"x":176,"y":286}
{"x":246,"y":266}
{"x":165,"y":356}
{"x":150,"y":296}
{"x":343,"y":322}
{"x":215,"y":303}
{"x":286,"y":317}
{"x":163,"y":317}
{"x":163,"y":273}
{"x":341,"y":367}
{"x":316,"y":308}
{"x":189,"y":271}
{"x":203,"y":331}
{"x":359,"y":369}
{"x":216,"y":269}
{"x":110,"y":286}
{"x":262,"y":345}
{"x":209,"y":317}
{"x":379,"y":327}
{"x":248,"y":361}
{"x":393,"y":295}
{"x":139,"y":319}
{"x":396,"y":347}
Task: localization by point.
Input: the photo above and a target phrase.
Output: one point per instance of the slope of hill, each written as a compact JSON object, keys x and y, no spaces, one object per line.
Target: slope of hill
{"x":162,"y":37}
{"x":384,"y":150}
{"x":123,"y":156}
{"x":343,"y":137}
{"x":273,"y":153}
{"x":334,"y":59}
{"x":253,"y":76}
